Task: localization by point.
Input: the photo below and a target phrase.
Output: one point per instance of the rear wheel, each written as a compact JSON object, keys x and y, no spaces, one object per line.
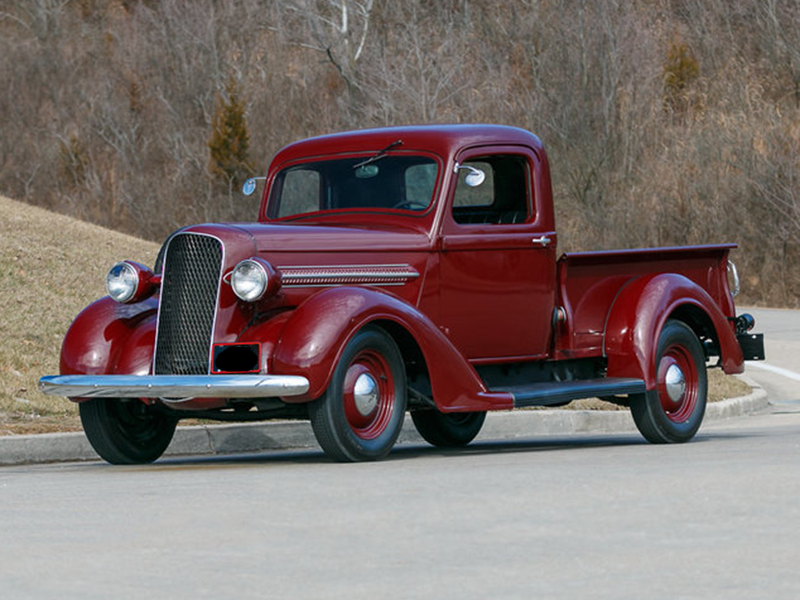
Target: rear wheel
{"x":361,"y":413}
{"x":126,"y":431}
{"x":673,"y":412}
{"x":448,"y":430}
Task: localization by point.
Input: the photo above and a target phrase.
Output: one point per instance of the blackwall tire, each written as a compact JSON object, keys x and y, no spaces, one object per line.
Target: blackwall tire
{"x":448,"y":430}
{"x":360,"y":415}
{"x":126,"y":432}
{"x":673,"y":412}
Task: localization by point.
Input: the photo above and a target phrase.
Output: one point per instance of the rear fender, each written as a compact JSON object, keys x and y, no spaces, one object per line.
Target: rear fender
{"x":314,"y":336}
{"x":639,"y":312}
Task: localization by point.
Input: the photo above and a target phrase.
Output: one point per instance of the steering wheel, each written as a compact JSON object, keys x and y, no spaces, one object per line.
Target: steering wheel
{"x":411,"y":205}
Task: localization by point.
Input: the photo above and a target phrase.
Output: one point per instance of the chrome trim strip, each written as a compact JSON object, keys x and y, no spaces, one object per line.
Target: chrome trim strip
{"x":173,"y":388}
{"x":324,"y":275}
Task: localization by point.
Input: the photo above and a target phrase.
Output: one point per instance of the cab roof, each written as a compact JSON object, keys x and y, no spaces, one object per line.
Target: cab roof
{"x":444,"y":140}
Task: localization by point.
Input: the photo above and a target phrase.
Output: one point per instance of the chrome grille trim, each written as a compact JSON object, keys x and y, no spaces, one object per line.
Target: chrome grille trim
{"x":319,"y":276}
{"x":188,"y":304}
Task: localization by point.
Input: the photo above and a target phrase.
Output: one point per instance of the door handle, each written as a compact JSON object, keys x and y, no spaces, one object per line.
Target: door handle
{"x":542,"y":240}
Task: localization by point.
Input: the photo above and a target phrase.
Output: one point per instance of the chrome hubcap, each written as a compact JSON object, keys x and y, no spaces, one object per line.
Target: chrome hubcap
{"x":675,"y":383}
{"x":365,"y":394}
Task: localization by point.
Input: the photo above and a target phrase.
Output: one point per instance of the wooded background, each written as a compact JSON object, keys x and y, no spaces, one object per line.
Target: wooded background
{"x":667,"y":121}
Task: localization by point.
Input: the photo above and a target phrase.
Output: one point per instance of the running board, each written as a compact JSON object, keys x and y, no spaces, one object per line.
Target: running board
{"x":553,"y":393}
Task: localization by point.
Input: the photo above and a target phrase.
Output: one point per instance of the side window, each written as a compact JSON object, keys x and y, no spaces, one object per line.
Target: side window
{"x":502,"y":198}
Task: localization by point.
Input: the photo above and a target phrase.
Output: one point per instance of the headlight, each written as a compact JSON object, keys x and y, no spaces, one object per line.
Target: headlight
{"x":128,"y":282}
{"x":252,"y":279}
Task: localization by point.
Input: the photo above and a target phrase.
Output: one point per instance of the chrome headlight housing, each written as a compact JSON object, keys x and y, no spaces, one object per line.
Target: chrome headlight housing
{"x":128,"y":282}
{"x":253,"y":279}
{"x":121,"y":282}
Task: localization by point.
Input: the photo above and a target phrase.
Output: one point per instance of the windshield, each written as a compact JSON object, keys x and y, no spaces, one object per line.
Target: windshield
{"x":398,"y":181}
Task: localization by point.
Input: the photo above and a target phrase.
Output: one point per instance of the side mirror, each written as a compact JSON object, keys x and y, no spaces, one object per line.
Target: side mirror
{"x":474,"y":178}
{"x":250,"y":185}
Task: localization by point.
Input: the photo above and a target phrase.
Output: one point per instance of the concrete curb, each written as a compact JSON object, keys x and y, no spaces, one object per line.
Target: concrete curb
{"x":259,"y":437}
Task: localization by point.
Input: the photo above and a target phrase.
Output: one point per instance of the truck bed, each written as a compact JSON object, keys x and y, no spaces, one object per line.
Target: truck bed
{"x":590,"y":282}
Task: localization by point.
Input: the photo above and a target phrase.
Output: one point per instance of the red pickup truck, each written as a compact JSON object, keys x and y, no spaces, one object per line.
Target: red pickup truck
{"x":392,"y":270}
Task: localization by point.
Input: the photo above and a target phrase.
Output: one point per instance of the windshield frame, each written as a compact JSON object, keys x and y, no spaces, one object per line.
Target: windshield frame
{"x":272,"y":203}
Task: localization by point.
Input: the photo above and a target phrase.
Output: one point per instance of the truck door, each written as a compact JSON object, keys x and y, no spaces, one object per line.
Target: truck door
{"x":498,"y":267}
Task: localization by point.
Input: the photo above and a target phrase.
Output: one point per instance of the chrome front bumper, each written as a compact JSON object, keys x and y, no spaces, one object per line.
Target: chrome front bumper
{"x":173,"y":388}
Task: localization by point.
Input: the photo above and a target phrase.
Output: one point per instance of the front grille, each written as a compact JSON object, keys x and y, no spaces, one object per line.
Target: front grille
{"x":188,"y":304}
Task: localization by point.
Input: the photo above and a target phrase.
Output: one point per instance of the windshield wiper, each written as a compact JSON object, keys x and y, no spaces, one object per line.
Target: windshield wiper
{"x":379,"y":155}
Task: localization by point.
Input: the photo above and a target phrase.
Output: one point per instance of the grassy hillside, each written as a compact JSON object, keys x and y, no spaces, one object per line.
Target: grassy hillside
{"x":51,"y":266}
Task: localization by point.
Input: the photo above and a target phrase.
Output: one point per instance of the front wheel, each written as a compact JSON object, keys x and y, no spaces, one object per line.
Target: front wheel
{"x":673,"y":412}
{"x":360,"y":415}
{"x":126,"y":431}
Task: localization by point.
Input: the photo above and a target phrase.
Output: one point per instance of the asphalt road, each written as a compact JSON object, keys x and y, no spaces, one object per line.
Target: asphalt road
{"x":600,"y":516}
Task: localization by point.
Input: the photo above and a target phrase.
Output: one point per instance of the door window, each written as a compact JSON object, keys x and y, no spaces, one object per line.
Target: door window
{"x":502,"y":198}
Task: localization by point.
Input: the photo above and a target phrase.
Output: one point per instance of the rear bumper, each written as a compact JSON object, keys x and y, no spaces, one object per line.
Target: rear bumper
{"x":174,"y":388}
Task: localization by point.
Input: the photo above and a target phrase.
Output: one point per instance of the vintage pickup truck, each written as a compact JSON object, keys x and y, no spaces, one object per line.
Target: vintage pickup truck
{"x":393,"y":270}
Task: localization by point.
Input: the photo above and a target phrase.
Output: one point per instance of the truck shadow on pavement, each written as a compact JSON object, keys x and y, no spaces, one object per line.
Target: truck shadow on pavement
{"x":408,"y":451}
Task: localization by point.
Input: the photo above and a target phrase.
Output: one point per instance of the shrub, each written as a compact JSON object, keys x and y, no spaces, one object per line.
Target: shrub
{"x":681,"y":69}
{"x":229,"y":143}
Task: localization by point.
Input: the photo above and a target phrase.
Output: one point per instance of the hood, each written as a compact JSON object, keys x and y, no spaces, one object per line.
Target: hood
{"x":310,"y":257}
{"x":294,"y":244}
{"x":291,"y":237}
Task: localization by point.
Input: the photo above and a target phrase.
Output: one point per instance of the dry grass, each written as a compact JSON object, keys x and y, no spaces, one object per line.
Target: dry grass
{"x":721,"y":386}
{"x":47,"y":278}
{"x":51,"y":267}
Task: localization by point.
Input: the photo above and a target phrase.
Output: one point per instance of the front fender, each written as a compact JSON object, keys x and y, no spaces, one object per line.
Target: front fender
{"x":639,"y":312}
{"x":314,"y":336}
{"x":108,"y":337}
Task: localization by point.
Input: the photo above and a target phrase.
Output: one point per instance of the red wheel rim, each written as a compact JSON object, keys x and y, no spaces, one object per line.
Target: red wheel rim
{"x":677,"y":383}
{"x":368,"y":394}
